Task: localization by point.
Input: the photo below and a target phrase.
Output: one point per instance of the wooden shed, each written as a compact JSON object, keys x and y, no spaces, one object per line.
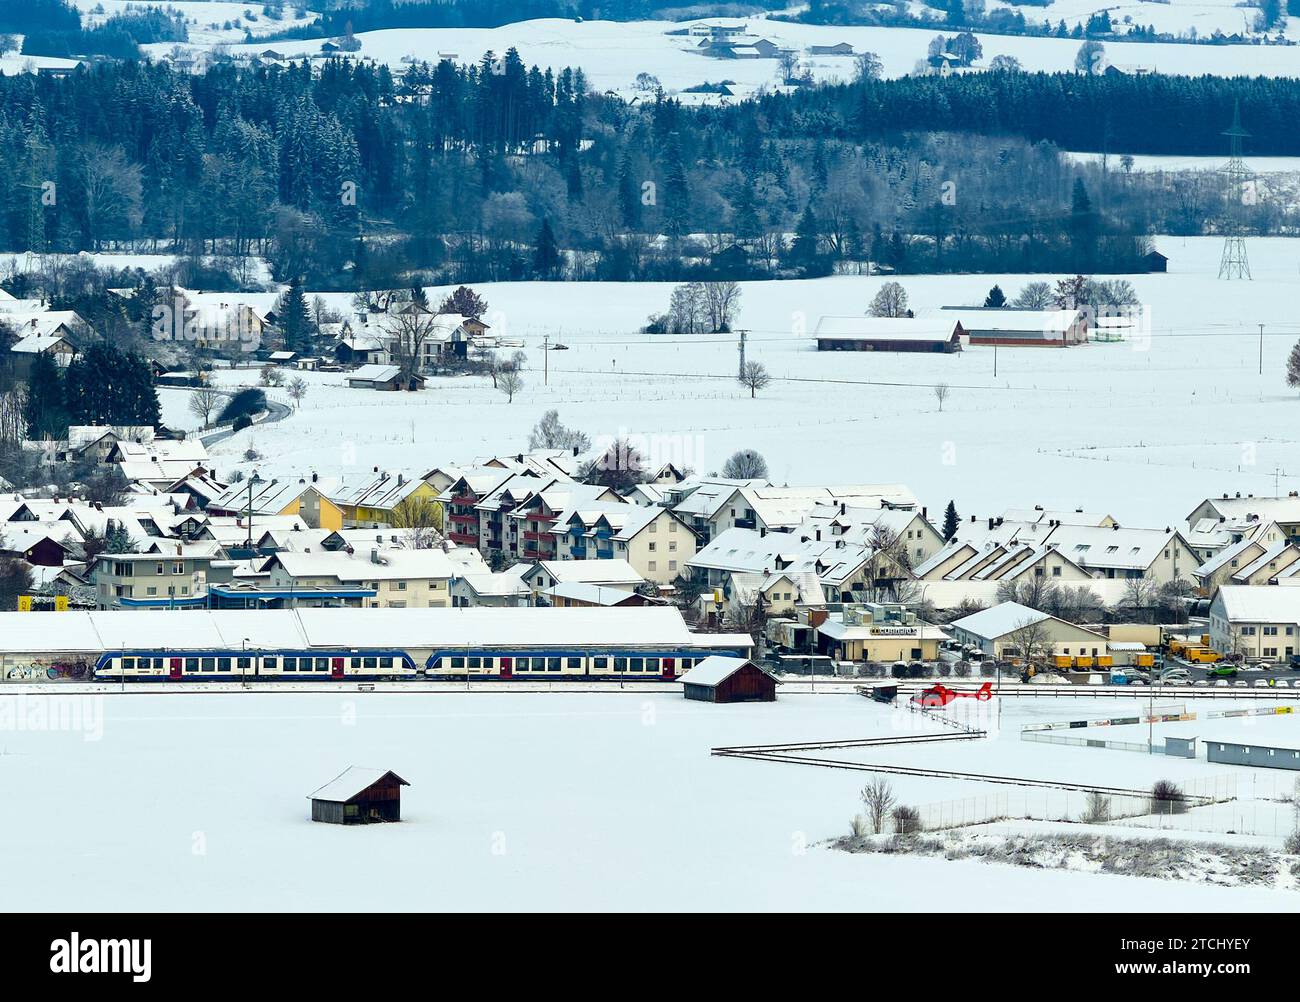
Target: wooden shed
{"x":358,"y":796}
{"x":720,"y":679}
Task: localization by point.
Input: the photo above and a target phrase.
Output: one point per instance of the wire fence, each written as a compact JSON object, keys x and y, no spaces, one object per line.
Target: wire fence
{"x":1225,"y":804}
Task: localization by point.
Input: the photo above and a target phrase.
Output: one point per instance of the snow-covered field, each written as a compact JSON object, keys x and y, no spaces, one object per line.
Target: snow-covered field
{"x":1142,"y":429}
{"x":517,"y":801}
{"x":611,"y":54}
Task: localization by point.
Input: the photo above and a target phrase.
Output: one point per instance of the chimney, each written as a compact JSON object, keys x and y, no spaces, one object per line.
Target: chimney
{"x":178,"y":549}
{"x":972,"y":520}
{"x":375,"y":470}
{"x":923,"y":511}
{"x":1115,"y":527}
{"x":819,"y":535}
{"x":314,"y":477}
{"x":843,"y":508}
{"x":401,"y":479}
{"x":762,"y":532}
{"x":990,"y":523}
{"x":575,"y":450}
{"x":374,"y":556}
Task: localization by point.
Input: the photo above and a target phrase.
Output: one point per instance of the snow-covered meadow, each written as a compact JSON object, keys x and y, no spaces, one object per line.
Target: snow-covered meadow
{"x":519,"y":801}
{"x":1142,"y":429}
{"x":612,"y":54}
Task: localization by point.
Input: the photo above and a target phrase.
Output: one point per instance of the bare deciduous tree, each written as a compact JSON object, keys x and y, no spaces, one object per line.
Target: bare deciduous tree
{"x":510,"y":382}
{"x":754,"y":377}
{"x":746,"y":464}
{"x":941,"y":394}
{"x":408,"y":331}
{"x":890,"y":301}
{"x":878,"y":796}
{"x":204,"y":402}
{"x":722,"y":300}
{"x":297,"y":390}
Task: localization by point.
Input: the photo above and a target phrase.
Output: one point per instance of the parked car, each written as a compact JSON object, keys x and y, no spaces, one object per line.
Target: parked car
{"x":1223,"y":671}
{"x":1295,"y":662}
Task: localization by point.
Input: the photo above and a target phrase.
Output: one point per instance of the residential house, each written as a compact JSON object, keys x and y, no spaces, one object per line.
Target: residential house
{"x":1256,"y":621}
{"x":1001,"y":632}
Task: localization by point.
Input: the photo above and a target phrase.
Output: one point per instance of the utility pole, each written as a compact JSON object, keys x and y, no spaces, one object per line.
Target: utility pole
{"x":1261,"y":349}
{"x":995,"y":361}
{"x":743,"y":334}
{"x":546,"y":361}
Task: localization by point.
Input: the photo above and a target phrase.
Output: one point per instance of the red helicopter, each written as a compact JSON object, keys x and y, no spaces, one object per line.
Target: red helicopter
{"x":941,"y":695}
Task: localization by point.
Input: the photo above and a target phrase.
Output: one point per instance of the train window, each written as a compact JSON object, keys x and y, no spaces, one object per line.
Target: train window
{"x":223,"y":664}
{"x":243,"y":664}
{"x":384,"y":662}
{"x":475,"y":662}
{"x":208,"y":664}
{"x":322,"y":664}
{"x":552,"y":664}
{"x":575,"y":664}
{"x":370,"y":663}
{"x":191,"y":664}
{"x":290,"y":664}
{"x":651,"y":664}
{"x":600,"y":663}
{"x":620,"y":664}
{"x":128,"y":664}
{"x":269,"y":664}
{"x":435,"y":664}
{"x":157,"y":664}
{"x":636,"y":664}
{"x":356,"y":664}
{"x":458,"y":662}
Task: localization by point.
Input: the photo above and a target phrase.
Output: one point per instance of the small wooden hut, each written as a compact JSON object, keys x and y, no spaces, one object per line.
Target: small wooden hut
{"x":358,"y":796}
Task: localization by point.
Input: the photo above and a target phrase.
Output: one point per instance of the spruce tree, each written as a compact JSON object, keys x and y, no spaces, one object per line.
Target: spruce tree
{"x":294,"y":320}
{"x":995,"y":298}
{"x":950,"y":521}
{"x":546,"y":255}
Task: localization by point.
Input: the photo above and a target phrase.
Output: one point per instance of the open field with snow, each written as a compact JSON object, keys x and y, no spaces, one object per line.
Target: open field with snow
{"x":520,"y":801}
{"x":611,"y":54}
{"x":1143,"y":429}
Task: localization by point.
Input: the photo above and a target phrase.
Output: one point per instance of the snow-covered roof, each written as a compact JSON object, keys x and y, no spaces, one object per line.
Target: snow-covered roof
{"x":1045,"y":323}
{"x":352,"y":781}
{"x":1258,"y":604}
{"x":615,"y":571}
{"x":886,"y":329}
{"x":715,"y":669}
{"x":999,"y":620}
{"x":349,"y":629}
{"x":582,"y":591}
{"x":375,"y":373}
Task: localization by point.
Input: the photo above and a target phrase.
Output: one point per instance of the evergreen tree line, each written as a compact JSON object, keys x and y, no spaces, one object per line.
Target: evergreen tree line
{"x":103,"y":386}
{"x":351,"y":177}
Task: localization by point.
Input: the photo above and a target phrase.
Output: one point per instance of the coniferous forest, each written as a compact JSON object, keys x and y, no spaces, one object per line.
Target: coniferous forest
{"x":353,"y":176}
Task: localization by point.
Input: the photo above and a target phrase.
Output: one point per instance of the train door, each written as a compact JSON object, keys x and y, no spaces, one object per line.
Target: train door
{"x":669,"y":668}
{"x":336,"y":668}
{"x":174,"y":668}
{"x":507,"y":667}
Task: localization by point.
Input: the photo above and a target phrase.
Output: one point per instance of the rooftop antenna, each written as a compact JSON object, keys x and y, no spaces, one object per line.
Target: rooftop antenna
{"x":1239,"y":191}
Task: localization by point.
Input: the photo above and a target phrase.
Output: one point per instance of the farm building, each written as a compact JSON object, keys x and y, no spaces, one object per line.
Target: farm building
{"x":383,"y":377}
{"x":1022,"y":328}
{"x":359,"y":796}
{"x":890,"y":334}
{"x":1259,"y":756}
{"x":721,"y":679}
{"x":1155,"y":261}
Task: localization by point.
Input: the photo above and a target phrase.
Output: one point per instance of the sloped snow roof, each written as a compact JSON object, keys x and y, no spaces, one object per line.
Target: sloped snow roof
{"x":352,"y":781}
{"x":715,"y":669}
{"x":886,"y":329}
{"x":999,"y":620}
{"x":1259,"y":603}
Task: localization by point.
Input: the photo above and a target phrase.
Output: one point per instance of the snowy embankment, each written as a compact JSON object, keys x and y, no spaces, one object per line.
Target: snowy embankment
{"x":517,"y":801}
{"x":1142,"y":429}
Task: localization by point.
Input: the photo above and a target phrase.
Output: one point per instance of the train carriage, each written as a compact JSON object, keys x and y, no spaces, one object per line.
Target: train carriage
{"x":254,"y":666}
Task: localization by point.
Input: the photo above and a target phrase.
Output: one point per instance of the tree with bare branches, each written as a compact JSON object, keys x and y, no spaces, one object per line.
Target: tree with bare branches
{"x":754,"y":377}
{"x":408,"y":332}
{"x":878,"y":796}
{"x":204,"y":402}
{"x":510,"y":382}
{"x":941,"y":394}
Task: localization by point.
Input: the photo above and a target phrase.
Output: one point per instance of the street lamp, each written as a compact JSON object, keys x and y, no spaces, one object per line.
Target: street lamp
{"x":254,"y":480}
{"x":243,"y":663}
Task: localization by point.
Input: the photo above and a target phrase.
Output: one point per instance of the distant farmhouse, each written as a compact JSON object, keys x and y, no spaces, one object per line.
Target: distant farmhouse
{"x":942,"y":335}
